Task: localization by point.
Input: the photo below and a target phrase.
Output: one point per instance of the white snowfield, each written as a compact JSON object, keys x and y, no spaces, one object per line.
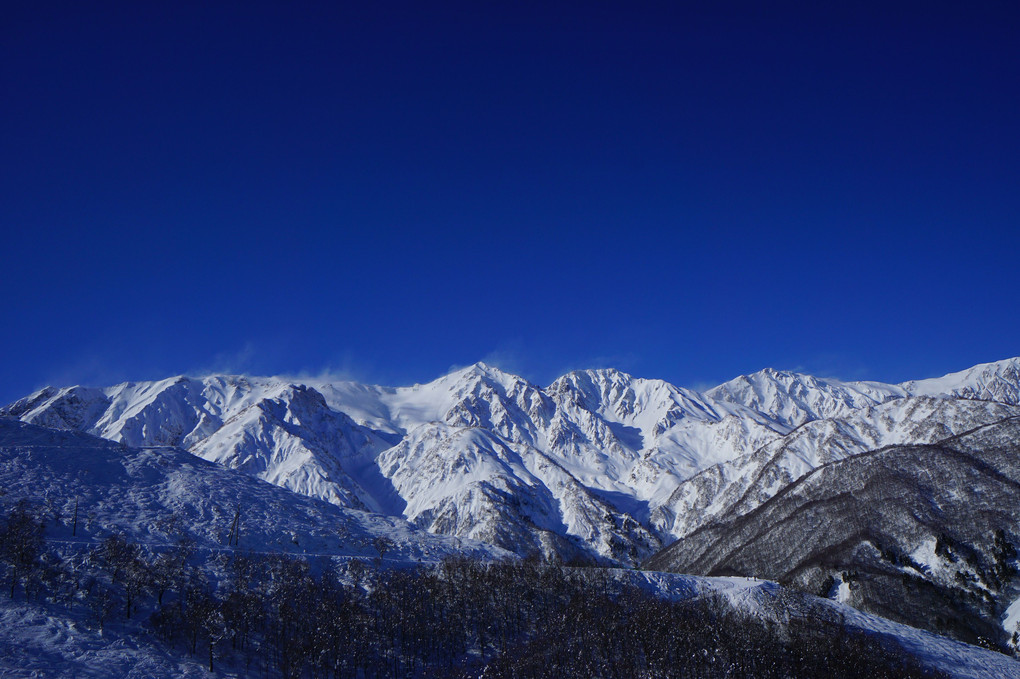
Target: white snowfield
{"x":598,"y":462}
{"x":35,"y":642}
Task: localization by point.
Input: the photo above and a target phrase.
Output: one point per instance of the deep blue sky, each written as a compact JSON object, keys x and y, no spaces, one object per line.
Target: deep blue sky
{"x":391,"y":189}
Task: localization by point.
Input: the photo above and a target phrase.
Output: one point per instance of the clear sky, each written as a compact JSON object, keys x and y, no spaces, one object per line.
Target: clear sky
{"x":386,"y":190}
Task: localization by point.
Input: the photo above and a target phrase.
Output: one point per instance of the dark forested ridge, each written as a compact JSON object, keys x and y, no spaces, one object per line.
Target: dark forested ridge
{"x":275,"y":615}
{"x":920,"y":534}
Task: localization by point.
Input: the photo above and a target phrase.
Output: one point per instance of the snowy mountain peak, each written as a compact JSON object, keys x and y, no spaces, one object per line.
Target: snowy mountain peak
{"x":25,"y":405}
{"x":997,"y":381}
{"x":601,"y":375}
{"x":477,"y":372}
{"x":794,"y":398}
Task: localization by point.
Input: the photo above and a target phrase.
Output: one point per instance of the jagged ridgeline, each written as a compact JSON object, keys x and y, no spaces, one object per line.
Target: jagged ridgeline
{"x":598,"y":465}
{"x":605,"y":467}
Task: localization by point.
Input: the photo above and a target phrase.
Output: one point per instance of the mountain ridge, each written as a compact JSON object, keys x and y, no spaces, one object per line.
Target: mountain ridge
{"x":607,"y":465}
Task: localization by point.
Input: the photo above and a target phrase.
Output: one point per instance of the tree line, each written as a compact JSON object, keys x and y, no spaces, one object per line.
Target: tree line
{"x":279,"y":615}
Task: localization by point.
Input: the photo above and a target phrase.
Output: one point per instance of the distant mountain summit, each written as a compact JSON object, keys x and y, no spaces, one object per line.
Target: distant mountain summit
{"x":999,"y":381}
{"x":794,"y":398}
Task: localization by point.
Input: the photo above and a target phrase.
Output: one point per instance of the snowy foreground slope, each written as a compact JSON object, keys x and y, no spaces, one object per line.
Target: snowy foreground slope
{"x":598,"y":464}
{"x":38,"y":642}
{"x":89,"y":489}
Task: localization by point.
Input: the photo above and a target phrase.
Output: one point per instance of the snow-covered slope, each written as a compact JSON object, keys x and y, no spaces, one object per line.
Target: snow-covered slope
{"x":468,"y":481}
{"x":598,"y":461}
{"x":744,"y":483}
{"x":923,"y":534}
{"x":794,"y":398}
{"x":37,"y":641}
{"x":767,"y":600}
{"x":593,"y":454}
{"x":157,"y":495}
{"x":641,"y":437}
{"x":998,"y":381}
{"x":293,"y":439}
{"x":43,"y":640}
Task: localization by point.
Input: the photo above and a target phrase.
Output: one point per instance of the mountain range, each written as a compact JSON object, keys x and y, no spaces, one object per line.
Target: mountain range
{"x":598,"y":464}
{"x":757,"y":476}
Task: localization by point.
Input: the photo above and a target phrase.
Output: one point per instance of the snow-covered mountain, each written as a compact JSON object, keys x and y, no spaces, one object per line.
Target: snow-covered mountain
{"x":999,"y":381}
{"x":573,"y":469}
{"x":598,"y":464}
{"x":90,"y":488}
{"x":794,"y":399}
{"x":740,"y":485}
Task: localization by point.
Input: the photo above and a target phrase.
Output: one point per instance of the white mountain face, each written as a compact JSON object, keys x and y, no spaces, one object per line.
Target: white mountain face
{"x":597,"y":463}
{"x":999,"y":381}
{"x":793,"y":398}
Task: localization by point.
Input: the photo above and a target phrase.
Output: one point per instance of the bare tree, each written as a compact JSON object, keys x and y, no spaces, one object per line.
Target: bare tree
{"x":21,"y":542}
